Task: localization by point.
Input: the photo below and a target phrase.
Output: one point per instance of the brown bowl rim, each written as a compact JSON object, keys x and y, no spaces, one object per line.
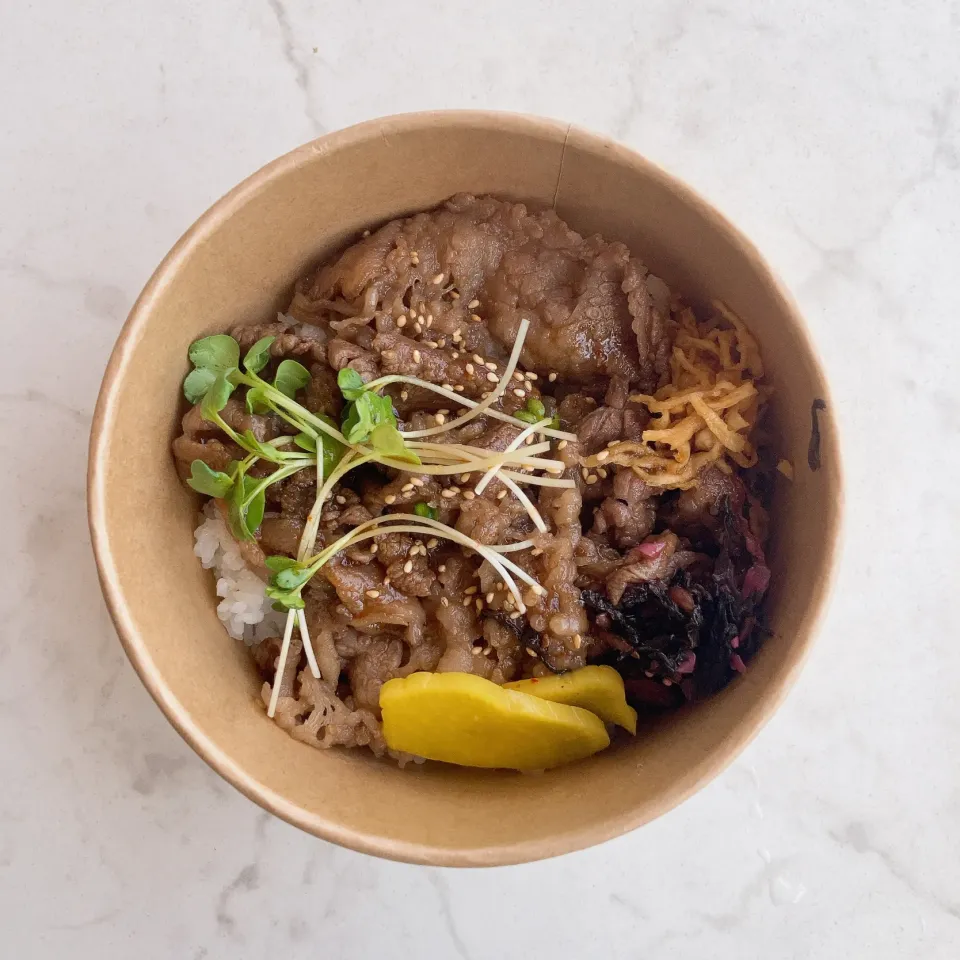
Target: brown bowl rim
{"x":577,"y":838}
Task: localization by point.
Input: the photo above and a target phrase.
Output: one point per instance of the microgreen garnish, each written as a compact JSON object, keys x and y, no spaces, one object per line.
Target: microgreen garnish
{"x":213,"y":483}
{"x":291,"y":377}
{"x":370,"y":417}
{"x":425,"y":510}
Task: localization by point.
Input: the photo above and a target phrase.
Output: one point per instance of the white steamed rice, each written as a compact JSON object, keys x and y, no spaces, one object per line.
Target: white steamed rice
{"x":244,"y":610}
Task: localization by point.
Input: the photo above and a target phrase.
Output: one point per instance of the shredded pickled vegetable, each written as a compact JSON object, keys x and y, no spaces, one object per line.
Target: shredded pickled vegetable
{"x":705,"y":414}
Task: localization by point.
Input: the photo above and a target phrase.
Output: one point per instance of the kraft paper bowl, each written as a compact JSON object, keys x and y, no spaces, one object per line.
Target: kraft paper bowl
{"x":238,"y":263}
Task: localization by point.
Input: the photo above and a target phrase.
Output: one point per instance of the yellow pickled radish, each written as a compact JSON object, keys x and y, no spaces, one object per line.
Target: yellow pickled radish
{"x":597,"y":689}
{"x":461,"y":718}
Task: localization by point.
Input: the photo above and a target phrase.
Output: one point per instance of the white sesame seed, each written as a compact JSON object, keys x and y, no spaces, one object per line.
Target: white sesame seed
{"x":432,"y":542}
{"x":517,"y":375}
{"x":402,"y":322}
{"x":519,"y":393}
{"x":438,"y":279}
{"x":492,"y":377}
{"x":417,"y":481}
{"x":478,"y":359}
{"x":408,"y":566}
{"x":577,"y":640}
{"x":431,"y":343}
{"x":602,"y":472}
{"x":470,"y":591}
{"x":373,"y":594}
{"x":441,"y":419}
{"x":444,"y":602}
{"x":386,"y":581}
{"x":467,"y":601}
{"x":475,"y":317}
{"x":529,"y":439}
{"x":447,"y":386}
{"x":515,"y":615}
{"x":448,"y":493}
{"x":530,"y":375}
{"x":479,"y":604}
{"x":341,"y":500}
{"x":390,"y":498}
{"x":584,"y":472}
{"x":490,"y":365}
{"x":469,"y":494}
{"x":477,"y":651}
{"x":487,"y":651}
{"x":455,"y":355}
{"x":417,"y":329}
{"x":561,"y":445}
{"x":602,"y":455}
{"x":536,"y":552}
{"x":416,"y":356}
{"x":470,"y":369}
{"x":406,"y":488}
{"x":454,"y":295}
{"x":413,"y":315}
{"x":442,"y":568}
{"x":592,"y":479}
{"x":485,"y":394}
{"x":489,"y":597}
{"x":404,"y":395}
{"x":501,"y":494}
{"x":429,"y":319}
{"x":442,"y":342}
{"x":472,"y":304}
{"x":464,"y":477}
{"x":530,"y":652}
{"x":552,"y":377}
{"x":458,"y":388}
{"x":613,"y":443}
{"x":366,"y":233}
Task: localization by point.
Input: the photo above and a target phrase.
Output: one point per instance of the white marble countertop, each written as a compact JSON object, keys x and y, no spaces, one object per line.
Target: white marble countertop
{"x":831,"y":133}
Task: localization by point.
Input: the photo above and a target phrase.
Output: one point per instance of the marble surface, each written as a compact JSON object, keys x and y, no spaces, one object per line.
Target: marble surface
{"x":831,"y":133}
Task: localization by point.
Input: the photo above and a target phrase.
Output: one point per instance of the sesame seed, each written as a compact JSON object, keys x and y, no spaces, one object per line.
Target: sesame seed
{"x":487,"y":651}
{"x":413,"y":315}
{"x":472,"y":304}
{"x":341,"y":500}
{"x":447,"y":386}
{"x":448,"y":493}
{"x":592,"y":479}
{"x":431,"y":343}
{"x":577,"y":640}
{"x":467,"y":601}
{"x":479,"y":604}
{"x":667,"y":682}
{"x":475,"y":317}
{"x":441,"y":419}
{"x":477,"y":651}
{"x":470,"y":369}
{"x":490,"y":365}
{"x":469,"y":494}
{"x":530,"y":375}
{"x":464,"y":477}
{"x":501,"y":494}
{"x":530,"y":652}
{"x":390,"y":498}
{"x":417,"y":329}
{"x":408,"y":567}
{"x":456,"y":356}
{"x":406,"y":488}
{"x":554,"y":468}
{"x":584,"y":472}
{"x":432,"y":542}
{"x":602,"y":472}
{"x":454,"y":295}
{"x":561,"y":445}
{"x":457,"y":334}
{"x":485,"y":394}
{"x":429,"y":319}
{"x":373,"y":594}
{"x":517,"y":375}
{"x":444,"y":602}
{"x":552,"y":377}
{"x":386,"y":581}
{"x":404,"y":395}
{"x":458,"y":388}
{"x":442,"y":342}
{"x":402,"y":322}
{"x":420,"y":318}
{"x":373,"y":549}
{"x":470,"y":591}
{"x":515,"y":615}
{"x":438,"y":279}
{"x":442,"y":568}
{"x":492,"y":377}
{"x":518,"y":392}
{"x":602,"y":455}
{"x":417,"y":481}
{"x":478,"y":359}
{"x":366,"y":233}
{"x":536,"y":552}
{"x":416,"y":356}
{"x":489,"y":597}
{"x":613,"y":443}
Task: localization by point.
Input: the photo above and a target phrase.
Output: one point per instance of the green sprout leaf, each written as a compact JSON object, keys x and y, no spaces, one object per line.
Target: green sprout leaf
{"x":213,"y":483}
{"x":386,"y":439}
{"x":286,"y":599}
{"x":525,"y":416}
{"x":279,"y":562}
{"x":197,"y":383}
{"x":305,"y":442}
{"x":536,"y":407}
{"x":217,"y":396}
{"x":258,"y":356}
{"x":291,"y":377}
{"x":292,"y":578}
{"x":256,"y":401}
{"x":425,"y":510}
{"x":217,"y":354}
{"x":245,"y":519}
{"x":350,"y":383}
